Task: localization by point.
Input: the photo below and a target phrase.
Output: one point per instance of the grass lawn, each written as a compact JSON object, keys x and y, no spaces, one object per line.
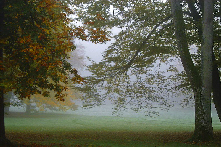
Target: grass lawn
{"x":101,"y":131}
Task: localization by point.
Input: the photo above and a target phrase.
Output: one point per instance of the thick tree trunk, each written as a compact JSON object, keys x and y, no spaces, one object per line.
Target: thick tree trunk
{"x":215,"y":75}
{"x":2,"y":126}
{"x":216,"y":89}
{"x":3,"y":140}
{"x":203,"y":123}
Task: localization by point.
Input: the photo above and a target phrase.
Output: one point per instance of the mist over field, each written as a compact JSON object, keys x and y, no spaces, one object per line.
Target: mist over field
{"x":94,"y":52}
{"x":92,"y":123}
{"x":110,"y":73}
{"x":175,"y":112}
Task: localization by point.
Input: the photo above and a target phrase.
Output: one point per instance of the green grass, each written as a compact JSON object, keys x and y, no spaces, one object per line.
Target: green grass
{"x":103,"y":131}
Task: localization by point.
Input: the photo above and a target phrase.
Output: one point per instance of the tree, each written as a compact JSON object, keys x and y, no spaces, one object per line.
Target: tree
{"x":7,"y":99}
{"x":35,"y":41}
{"x":148,"y":37}
{"x":202,"y":88}
{"x":117,"y":61}
{"x":40,"y":103}
{"x":2,"y":127}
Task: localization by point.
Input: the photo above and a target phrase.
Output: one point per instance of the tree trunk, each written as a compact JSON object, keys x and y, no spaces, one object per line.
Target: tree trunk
{"x":182,"y":46}
{"x":2,"y":126}
{"x":216,"y":88}
{"x":203,"y":123}
{"x":3,"y":140}
{"x":7,"y":98}
{"x":215,"y":75}
{"x":28,"y":108}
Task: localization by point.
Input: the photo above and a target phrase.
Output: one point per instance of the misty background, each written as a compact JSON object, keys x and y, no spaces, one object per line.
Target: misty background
{"x":94,"y":52}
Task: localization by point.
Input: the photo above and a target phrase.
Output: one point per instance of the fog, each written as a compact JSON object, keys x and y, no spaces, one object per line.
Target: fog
{"x":177,"y":112}
{"x":94,"y":52}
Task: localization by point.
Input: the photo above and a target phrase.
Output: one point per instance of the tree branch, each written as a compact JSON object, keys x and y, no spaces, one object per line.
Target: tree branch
{"x":128,"y":65}
{"x":196,"y":17}
{"x":192,"y":73}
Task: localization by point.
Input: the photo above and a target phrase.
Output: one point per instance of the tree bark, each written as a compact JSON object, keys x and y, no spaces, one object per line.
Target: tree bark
{"x":3,"y":140}
{"x":203,"y":123}
{"x":183,"y":48}
{"x":2,"y":126}
{"x":215,"y":74}
{"x":203,"y":130}
{"x":216,"y":88}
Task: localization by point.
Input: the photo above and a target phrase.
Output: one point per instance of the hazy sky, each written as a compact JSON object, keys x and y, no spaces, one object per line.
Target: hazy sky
{"x":94,"y":51}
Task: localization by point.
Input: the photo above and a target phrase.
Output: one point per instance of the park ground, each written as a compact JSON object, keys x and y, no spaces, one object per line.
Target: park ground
{"x":75,"y":130}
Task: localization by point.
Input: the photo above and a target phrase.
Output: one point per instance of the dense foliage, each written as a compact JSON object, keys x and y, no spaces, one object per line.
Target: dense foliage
{"x":35,"y":44}
{"x":36,"y":41}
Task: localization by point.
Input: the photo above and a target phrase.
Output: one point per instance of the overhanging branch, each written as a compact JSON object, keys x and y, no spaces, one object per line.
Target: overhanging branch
{"x":128,"y":65}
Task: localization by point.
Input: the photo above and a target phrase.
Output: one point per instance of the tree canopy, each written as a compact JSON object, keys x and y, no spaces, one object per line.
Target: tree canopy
{"x":35,"y":44}
{"x":129,"y":66}
{"x":155,"y":32}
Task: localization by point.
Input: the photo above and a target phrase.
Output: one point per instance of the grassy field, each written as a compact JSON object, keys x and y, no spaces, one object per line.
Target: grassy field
{"x":101,"y":131}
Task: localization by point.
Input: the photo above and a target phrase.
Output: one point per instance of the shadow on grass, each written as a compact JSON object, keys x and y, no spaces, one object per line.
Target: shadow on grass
{"x":108,"y":139}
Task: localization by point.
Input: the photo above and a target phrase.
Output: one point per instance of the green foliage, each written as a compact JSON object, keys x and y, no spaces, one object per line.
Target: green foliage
{"x":126,"y":75}
{"x":130,"y":72}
